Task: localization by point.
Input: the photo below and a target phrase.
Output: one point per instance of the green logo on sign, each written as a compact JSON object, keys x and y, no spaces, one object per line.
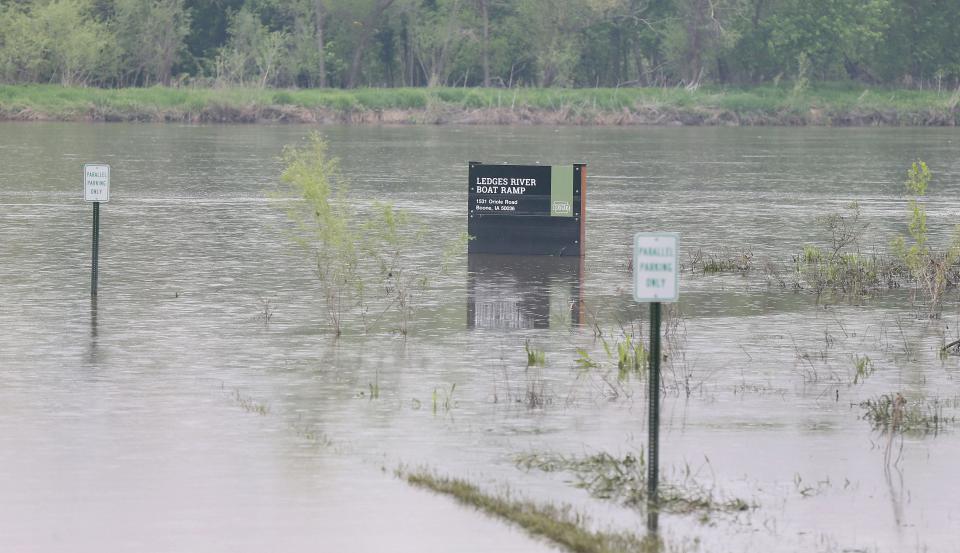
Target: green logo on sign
{"x":561,"y":191}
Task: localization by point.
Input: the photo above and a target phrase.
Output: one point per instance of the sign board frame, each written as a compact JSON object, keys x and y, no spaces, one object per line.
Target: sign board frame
{"x":667,"y":240}
{"x":526,"y":209}
{"x":96,"y":188}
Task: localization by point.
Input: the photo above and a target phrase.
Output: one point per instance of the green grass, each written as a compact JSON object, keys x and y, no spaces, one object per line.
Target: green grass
{"x":823,"y":104}
{"x":535,"y":357}
{"x":557,"y":524}
{"x":624,"y":480}
{"x":894,"y":413}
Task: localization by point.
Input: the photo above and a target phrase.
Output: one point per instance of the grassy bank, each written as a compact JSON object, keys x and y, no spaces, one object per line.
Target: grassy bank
{"x":835,"y":105}
{"x":558,"y":524}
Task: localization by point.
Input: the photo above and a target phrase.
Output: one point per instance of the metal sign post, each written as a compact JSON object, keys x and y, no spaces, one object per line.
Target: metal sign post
{"x":655,"y":280}
{"x":96,"y":189}
{"x":95,"y":258}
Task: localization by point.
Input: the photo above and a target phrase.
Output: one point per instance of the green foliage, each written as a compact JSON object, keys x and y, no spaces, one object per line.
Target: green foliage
{"x":895,"y":414}
{"x":721,"y":260}
{"x":623,"y":358}
{"x":558,"y":524}
{"x":811,"y":254}
{"x":253,"y":54}
{"x":443,"y":398}
{"x":822,"y":36}
{"x":325,"y":220}
{"x":568,"y":43}
{"x":917,"y":253}
{"x":624,"y":480}
{"x":150,"y":39}
{"x":535,"y":357}
{"x":842,"y":267}
{"x":365,"y":261}
{"x":863,"y":368}
{"x":850,"y":274}
{"x":766,"y":104}
{"x":932,"y":270}
{"x":53,"y":41}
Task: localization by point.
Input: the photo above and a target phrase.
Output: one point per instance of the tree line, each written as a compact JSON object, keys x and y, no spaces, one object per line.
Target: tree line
{"x":502,"y":43}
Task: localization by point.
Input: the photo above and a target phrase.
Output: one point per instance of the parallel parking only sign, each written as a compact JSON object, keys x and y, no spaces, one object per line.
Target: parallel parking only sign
{"x":655,"y":270}
{"x":96,"y":182}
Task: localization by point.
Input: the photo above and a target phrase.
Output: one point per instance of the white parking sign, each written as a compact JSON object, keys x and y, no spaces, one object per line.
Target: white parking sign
{"x":655,"y":271}
{"x":96,"y":182}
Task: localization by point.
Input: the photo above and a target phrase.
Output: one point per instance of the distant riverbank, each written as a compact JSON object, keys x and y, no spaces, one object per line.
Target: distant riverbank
{"x":822,"y":105}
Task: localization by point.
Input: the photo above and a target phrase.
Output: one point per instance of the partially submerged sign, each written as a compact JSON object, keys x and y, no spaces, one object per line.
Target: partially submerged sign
{"x":96,"y":189}
{"x":655,"y":270}
{"x":527,"y":209}
{"x":655,"y":280}
{"x":96,"y":182}
{"x":513,"y":292}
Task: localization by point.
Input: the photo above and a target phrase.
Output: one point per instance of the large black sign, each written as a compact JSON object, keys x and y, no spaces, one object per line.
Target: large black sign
{"x":527,"y":209}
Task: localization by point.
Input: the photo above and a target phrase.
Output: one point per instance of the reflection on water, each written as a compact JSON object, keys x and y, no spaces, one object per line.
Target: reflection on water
{"x":523,"y":292}
{"x":93,"y":319}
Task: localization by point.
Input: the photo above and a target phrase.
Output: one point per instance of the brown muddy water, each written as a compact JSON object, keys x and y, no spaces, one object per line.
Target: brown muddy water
{"x":203,"y":405}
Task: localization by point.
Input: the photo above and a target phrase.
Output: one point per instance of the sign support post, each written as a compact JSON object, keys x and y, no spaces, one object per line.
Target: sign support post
{"x":96,"y":189}
{"x":655,"y":280}
{"x":96,"y":249}
{"x":653,"y":419}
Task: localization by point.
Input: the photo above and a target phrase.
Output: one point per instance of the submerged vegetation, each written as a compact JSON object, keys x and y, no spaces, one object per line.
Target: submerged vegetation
{"x":624,"y":479}
{"x":721,"y":260}
{"x":364,"y":259}
{"x":624,"y":356}
{"x":932,"y":270}
{"x":895,"y":414}
{"x":560,"y":525}
{"x":249,"y":404}
{"x":842,"y":267}
{"x":863,"y":367}
{"x":535,"y":357}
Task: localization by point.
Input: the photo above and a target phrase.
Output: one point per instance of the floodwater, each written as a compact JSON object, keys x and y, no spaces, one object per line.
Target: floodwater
{"x":203,"y":404}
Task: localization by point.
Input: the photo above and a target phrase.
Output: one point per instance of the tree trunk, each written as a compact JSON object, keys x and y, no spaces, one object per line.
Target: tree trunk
{"x":695,"y":23}
{"x":365,"y":33}
{"x":321,"y":17}
{"x":486,"y":42}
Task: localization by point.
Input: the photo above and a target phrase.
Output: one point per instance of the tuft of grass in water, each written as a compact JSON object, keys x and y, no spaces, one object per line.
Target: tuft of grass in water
{"x":560,"y":525}
{"x":373,"y":389}
{"x":848,"y":273}
{"x":895,"y":414}
{"x":249,"y":404}
{"x":535,"y":357}
{"x":443,"y":398}
{"x":309,"y":433}
{"x":863,"y":368}
{"x":624,"y":356}
{"x":266,"y":310}
{"x":811,"y":254}
{"x":721,"y":260}
{"x":624,"y":479}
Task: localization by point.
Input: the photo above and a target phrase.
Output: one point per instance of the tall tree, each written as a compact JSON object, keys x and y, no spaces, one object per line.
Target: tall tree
{"x":483,"y":8}
{"x":555,"y":36}
{"x":365,"y":29}
{"x":438,"y":34}
{"x":836,"y":36}
{"x":320,"y":19}
{"x":151,"y":35}
{"x":58,"y":40}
